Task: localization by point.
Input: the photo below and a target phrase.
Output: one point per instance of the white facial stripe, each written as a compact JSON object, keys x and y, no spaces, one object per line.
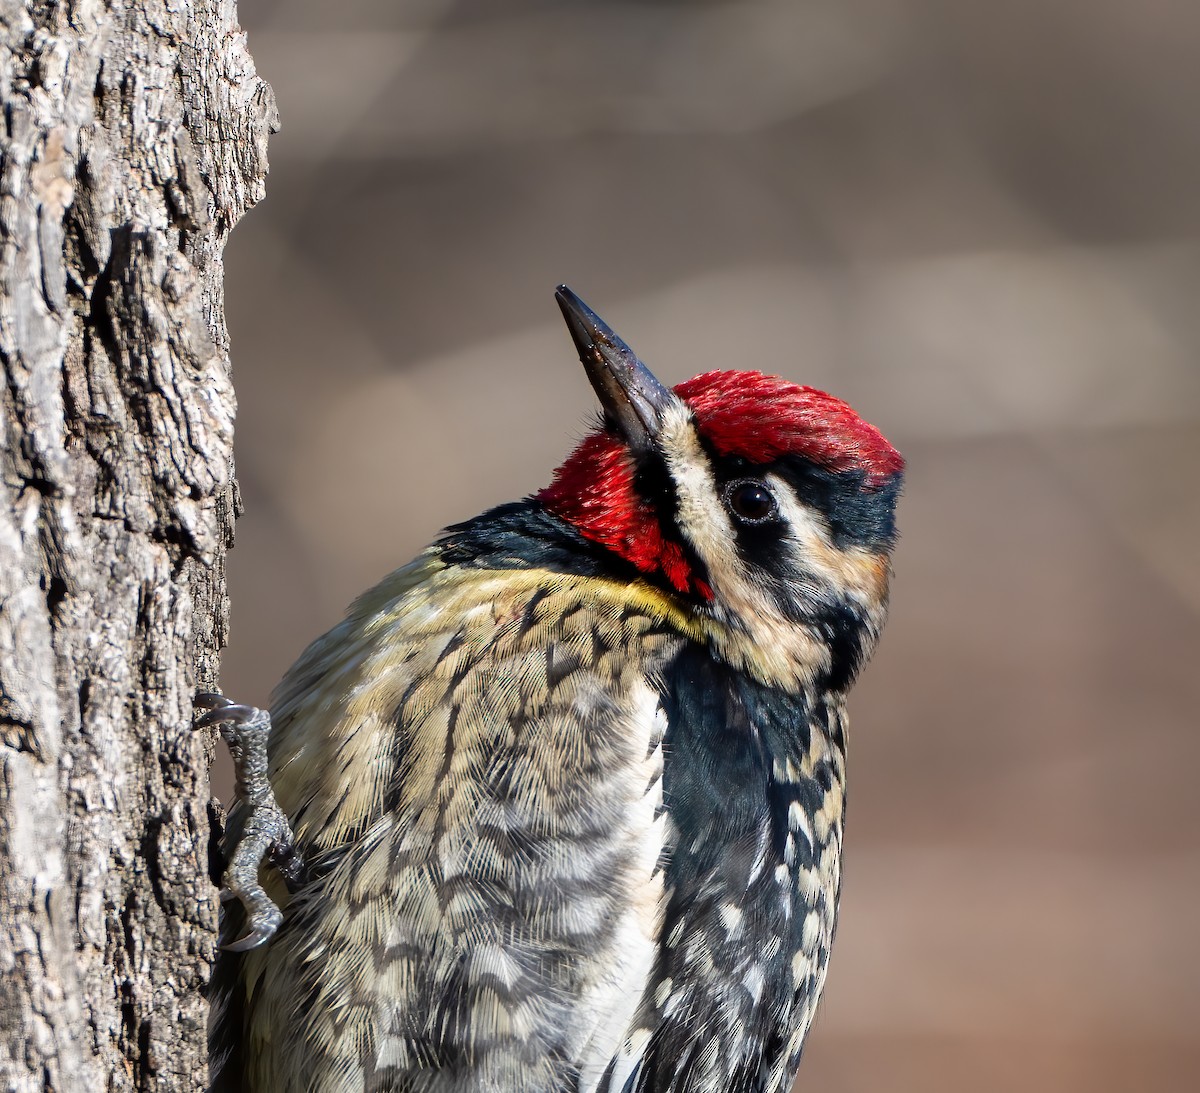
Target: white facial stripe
{"x":777,"y":649}
{"x":770,"y":643}
{"x":702,"y":514}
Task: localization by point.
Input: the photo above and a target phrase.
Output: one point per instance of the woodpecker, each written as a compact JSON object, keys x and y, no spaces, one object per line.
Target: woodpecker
{"x":558,"y":807}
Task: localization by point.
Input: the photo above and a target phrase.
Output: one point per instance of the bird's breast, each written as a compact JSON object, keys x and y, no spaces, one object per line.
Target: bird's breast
{"x":491,"y":888}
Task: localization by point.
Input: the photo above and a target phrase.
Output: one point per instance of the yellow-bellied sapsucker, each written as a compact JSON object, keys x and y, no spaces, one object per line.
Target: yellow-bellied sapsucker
{"x":559,"y":804}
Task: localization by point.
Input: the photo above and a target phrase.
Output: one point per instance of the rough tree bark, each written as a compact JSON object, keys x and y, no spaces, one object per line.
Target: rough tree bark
{"x":133,"y":138}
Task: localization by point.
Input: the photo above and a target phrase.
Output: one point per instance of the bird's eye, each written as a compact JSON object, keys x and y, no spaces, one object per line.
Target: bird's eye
{"x":752,"y":502}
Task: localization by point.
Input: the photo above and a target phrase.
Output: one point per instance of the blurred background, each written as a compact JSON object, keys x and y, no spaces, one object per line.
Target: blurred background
{"x":980,"y":224}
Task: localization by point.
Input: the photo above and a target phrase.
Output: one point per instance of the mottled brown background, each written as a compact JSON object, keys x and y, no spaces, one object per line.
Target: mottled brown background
{"x":980,"y":223}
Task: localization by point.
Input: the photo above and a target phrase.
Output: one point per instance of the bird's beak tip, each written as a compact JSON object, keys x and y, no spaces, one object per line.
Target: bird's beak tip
{"x":586,"y":327}
{"x":633,"y":399}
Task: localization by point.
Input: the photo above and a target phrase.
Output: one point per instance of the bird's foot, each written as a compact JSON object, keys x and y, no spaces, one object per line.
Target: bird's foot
{"x":265,"y":831}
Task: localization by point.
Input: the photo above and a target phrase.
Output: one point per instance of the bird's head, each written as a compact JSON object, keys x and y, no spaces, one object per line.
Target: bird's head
{"x":767,"y":506}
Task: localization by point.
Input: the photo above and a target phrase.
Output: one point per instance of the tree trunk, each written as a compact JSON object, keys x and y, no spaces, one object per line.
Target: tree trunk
{"x":134,"y":137}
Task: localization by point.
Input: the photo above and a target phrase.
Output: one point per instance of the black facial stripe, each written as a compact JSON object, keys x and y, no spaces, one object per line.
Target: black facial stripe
{"x":857,"y":515}
{"x":843,"y":628}
{"x":653,"y":481}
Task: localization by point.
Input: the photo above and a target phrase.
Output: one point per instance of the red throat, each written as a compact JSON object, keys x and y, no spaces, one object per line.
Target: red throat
{"x":757,"y":417}
{"x":594,"y":490}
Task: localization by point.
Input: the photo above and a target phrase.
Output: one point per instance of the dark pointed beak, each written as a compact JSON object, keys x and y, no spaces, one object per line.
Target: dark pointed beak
{"x":633,"y":400}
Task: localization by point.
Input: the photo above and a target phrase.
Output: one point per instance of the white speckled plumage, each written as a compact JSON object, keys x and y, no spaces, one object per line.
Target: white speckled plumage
{"x":570,"y":787}
{"x":417,"y":847}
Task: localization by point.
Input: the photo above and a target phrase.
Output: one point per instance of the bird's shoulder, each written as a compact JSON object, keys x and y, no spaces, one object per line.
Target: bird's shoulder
{"x":505,"y":618}
{"x":473,"y":756}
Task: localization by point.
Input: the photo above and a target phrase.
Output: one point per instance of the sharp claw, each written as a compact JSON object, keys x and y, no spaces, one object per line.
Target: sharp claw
{"x":208,"y":720}
{"x":252,"y":940}
{"x":210,"y":700}
{"x":230,"y":712}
